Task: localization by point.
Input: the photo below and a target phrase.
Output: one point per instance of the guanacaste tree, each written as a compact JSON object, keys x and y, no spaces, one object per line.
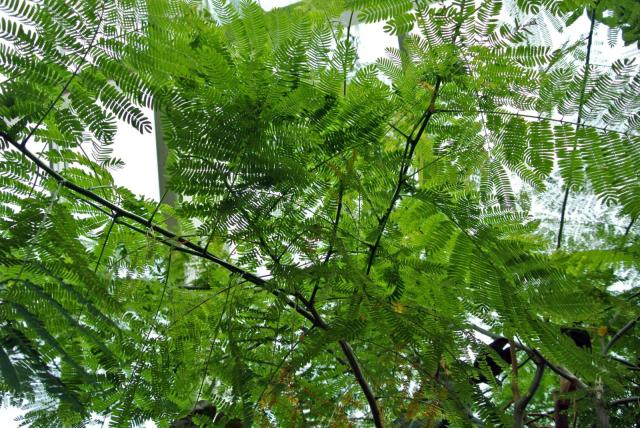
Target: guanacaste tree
{"x":351,"y":244}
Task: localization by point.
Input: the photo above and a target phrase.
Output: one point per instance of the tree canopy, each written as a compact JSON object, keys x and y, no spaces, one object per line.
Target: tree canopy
{"x":351,"y":244}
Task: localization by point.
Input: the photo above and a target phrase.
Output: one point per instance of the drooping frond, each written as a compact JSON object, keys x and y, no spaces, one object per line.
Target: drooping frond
{"x":346,"y":236}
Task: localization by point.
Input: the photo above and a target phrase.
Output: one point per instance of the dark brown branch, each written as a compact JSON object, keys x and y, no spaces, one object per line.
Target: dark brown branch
{"x":631,"y":223}
{"x":563,"y":212}
{"x":155,"y":211}
{"x":619,"y":334}
{"x":395,"y":128}
{"x":172,"y":239}
{"x":521,"y":405}
{"x":622,"y":401}
{"x":624,"y":362}
{"x":195,"y":287}
{"x":357,"y":372}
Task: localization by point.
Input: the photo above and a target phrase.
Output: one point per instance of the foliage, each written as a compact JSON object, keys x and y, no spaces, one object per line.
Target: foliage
{"x":388,"y":206}
{"x":624,"y":14}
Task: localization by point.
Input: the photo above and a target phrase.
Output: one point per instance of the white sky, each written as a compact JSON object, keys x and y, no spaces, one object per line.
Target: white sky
{"x":138,"y":151}
{"x":140,"y":173}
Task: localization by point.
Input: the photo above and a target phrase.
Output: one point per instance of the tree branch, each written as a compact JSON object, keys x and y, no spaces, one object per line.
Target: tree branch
{"x":628,"y":229}
{"x":357,"y":372}
{"x":530,"y":116}
{"x":172,"y":239}
{"x":521,"y":404}
{"x":628,"y":400}
{"x":619,"y":334}
{"x":334,"y":233}
{"x":104,"y":243}
{"x":412,"y":142}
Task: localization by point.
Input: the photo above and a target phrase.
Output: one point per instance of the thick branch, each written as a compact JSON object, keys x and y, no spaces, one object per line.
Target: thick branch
{"x":628,"y":400}
{"x":357,"y":372}
{"x":521,"y":405}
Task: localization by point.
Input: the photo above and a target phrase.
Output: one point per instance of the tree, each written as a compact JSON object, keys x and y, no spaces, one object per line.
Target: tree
{"x":378,"y":203}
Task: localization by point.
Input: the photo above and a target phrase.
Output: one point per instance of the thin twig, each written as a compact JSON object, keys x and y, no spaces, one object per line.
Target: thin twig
{"x":334,"y":233}
{"x":155,"y":210}
{"x":575,"y":144}
{"x":73,"y":75}
{"x":104,"y":243}
{"x":213,"y":343}
{"x":129,"y":394}
{"x":346,"y":54}
{"x":631,"y":223}
{"x":530,"y":116}
{"x":406,"y":163}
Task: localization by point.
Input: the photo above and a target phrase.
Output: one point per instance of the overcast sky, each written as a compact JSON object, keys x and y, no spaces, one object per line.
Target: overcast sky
{"x":140,"y":174}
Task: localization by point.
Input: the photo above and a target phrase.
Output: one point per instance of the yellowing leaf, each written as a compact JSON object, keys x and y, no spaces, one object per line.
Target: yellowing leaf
{"x":398,"y":307}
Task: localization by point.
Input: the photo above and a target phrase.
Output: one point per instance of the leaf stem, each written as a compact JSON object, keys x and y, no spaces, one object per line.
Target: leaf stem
{"x":585,"y":78}
{"x":104,"y":243}
{"x":529,"y":116}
